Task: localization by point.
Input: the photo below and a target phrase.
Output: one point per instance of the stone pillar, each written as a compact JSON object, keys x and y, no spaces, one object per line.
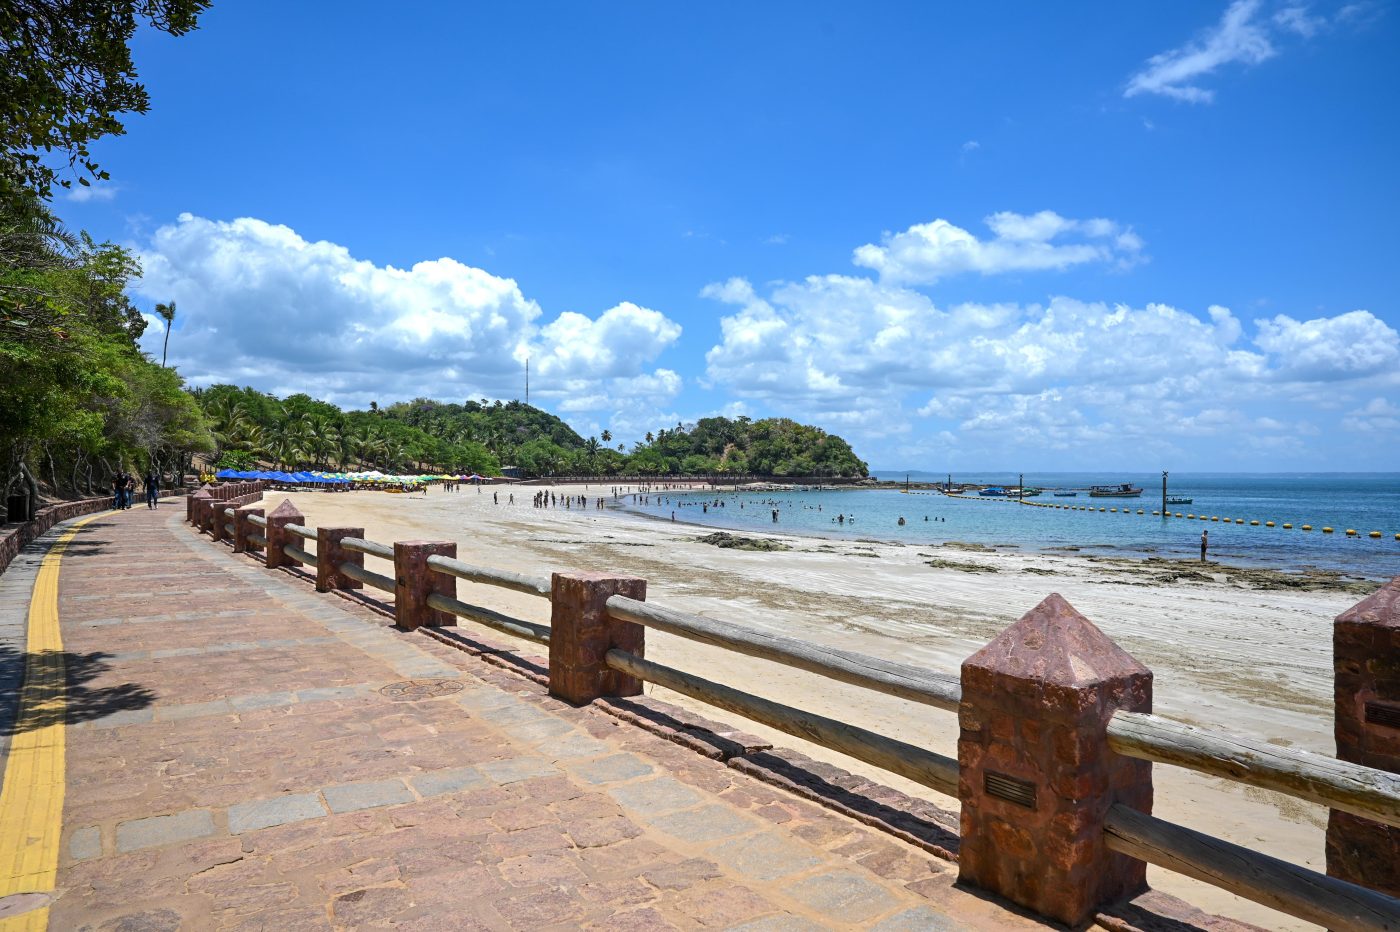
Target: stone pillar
{"x":283,"y":515}
{"x":194,"y":505}
{"x":582,"y":633}
{"x":329,"y":555}
{"x":1036,"y":774}
{"x":218,"y":518}
{"x":1366,"y":665}
{"x":414,"y":582}
{"x":206,"y":514}
{"x":242,"y":527}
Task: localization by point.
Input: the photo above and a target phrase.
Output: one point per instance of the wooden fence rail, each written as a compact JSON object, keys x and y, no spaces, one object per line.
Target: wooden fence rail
{"x":1297,"y":891}
{"x":1099,"y":720}
{"x":1318,"y":778}
{"x":896,"y":679}
{"x":918,"y":764}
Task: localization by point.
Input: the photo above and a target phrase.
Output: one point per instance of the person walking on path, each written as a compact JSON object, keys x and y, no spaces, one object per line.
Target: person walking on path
{"x":152,"y":490}
{"x":1205,"y":542}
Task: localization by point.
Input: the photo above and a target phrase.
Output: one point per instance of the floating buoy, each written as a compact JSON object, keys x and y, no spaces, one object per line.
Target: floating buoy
{"x":1268,"y":524}
{"x":1327,"y":530}
{"x":1397,"y":536}
{"x":1241,"y":521}
{"x":1105,"y":509}
{"x":1214,"y":518}
{"x":1256,"y":524}
{"x":1155,"y":512}
{"x":1288,"y":527}
{"x":1351,"y":532}
{"x":1113,"y":509}
{"x":1307,"y":527}
{"x":1376,"y":534}
{"x":1178,"y":514}
{"x":1190,"y":516}
{"x":1140,"y":511}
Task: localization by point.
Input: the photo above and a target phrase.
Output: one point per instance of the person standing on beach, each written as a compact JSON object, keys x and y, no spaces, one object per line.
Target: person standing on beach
{"x":1205,"y":542}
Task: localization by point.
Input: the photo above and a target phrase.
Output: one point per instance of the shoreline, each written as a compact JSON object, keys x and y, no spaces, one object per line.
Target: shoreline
{"x":1149,"y":559}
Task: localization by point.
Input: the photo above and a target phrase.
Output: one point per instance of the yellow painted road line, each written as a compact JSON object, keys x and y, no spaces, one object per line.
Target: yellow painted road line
{"x":31,"y":803}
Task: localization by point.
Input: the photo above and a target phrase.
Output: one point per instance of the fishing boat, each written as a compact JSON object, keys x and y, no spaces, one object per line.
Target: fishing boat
{"x":1065,"y":494}
{"x":1122,"y":490}
{"x":992,"y":491}
{"x":1178,"y":501}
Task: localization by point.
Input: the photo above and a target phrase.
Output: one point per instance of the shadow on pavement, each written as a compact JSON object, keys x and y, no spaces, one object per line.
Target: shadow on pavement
{"x":82,"y":701}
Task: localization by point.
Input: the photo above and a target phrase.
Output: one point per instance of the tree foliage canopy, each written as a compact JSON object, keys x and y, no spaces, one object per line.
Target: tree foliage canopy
{"x":423,"y":435}
{"x":79,"y":401}
{"x":66,"y":75}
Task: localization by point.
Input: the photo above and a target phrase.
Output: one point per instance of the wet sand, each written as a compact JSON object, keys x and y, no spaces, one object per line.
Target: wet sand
{"x":1224,"y":652}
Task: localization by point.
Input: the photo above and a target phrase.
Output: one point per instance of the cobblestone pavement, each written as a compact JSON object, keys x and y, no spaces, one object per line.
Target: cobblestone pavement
{"x":235,"y":762}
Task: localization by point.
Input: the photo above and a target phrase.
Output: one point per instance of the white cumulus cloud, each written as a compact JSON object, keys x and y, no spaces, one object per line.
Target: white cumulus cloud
{"x":927,"y":252}
{"x":871,"y":355}
{"x":260,"y":305}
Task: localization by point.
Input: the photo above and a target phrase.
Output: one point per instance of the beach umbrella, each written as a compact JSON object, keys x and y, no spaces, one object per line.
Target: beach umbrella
{"x":226,"y":474}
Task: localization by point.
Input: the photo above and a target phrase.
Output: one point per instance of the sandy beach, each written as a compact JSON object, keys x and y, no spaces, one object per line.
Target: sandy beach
{"x":1224,"y":654}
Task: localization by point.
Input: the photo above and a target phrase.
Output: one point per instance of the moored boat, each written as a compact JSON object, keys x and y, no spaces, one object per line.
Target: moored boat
{"x":1065,"y":494}
{"x":1179,"y":501}
{"x":1122,"y":490}
{"x":992,"y":491}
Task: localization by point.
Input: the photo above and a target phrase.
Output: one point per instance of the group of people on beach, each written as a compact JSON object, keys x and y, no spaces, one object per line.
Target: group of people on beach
{"x":124,"y":490}
{"x":546,"y":499}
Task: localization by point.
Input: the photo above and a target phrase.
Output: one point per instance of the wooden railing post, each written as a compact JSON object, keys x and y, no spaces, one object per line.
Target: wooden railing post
{"x":1366,"y":676}
{"x":582,"y":633}
{"x":414,"y":582}
{"x":283,"y":515}
{"x":329,"y":556}
{"x":242,"y":527}
{"x":1036,"y":774}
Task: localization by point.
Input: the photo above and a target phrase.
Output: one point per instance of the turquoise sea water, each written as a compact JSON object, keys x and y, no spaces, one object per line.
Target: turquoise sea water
{"x":1363,"y":501}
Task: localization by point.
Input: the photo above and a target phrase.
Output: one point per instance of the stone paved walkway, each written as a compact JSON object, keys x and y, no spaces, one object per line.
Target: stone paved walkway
{"x":233,"y":762}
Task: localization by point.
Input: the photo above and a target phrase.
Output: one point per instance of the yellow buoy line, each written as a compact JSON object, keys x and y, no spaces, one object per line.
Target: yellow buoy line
{"x":1287,"y":526}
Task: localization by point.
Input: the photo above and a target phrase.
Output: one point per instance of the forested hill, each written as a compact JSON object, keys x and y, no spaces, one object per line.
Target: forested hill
{"x":426,"y":435}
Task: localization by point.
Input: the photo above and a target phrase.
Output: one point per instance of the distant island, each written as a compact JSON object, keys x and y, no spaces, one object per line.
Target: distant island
{"x":422,"y":435}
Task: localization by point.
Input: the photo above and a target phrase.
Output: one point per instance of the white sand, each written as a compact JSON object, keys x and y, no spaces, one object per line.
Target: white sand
{"x":1254,"y":662}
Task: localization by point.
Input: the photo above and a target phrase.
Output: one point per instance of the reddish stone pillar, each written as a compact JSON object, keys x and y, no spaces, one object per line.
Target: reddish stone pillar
{"x":242,"y":527}
{"x":1366,"y":665}
{"x":582,"y":633}
{"x":414,"y":582}
{"x":1036,"y":775}
{"x":206,"y":515}
{"x":194,"y":505}
{"x":283,"y":515}
{"x":329,"y":556}
{"x":218,"y":518}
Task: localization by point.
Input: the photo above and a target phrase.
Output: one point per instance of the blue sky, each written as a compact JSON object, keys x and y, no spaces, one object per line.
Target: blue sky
{"x":1077,"y":236}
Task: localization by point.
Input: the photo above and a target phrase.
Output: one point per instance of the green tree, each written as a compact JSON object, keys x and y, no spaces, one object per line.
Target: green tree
{"x":167,"y":314}
{"x":66,"y":76}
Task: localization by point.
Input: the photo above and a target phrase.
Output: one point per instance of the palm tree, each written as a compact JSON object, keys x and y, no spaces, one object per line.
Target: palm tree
{"x":607,"y":436}
{"x":167,"y":313}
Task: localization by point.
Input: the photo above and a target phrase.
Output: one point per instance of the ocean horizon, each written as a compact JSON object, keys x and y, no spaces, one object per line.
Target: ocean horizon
{"x":1364,"y":502}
